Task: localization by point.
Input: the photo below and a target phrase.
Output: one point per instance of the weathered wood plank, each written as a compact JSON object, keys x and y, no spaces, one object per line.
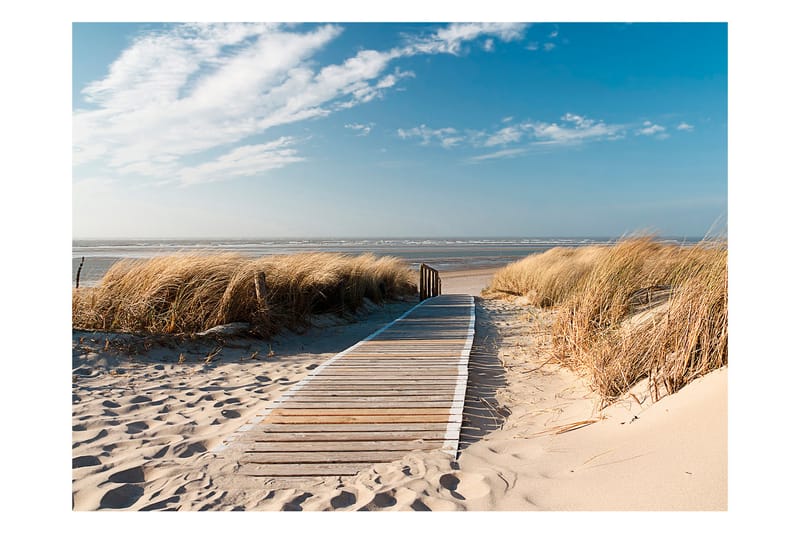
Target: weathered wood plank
{"x":355,"y":419}
{"x":355,"y":427}
{"x":303,"y":470}
{"x":345,"y":446}
{"x":299,"y":403}
{"x":348,"y":436}
{"x":405,"y":392}
{"x":319,"y":458}
{"x":358,"y":411}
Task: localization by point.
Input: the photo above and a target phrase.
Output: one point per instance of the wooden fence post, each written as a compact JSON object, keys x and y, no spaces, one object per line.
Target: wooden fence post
{"x":261,"y":293}
{"x":78,"y":276}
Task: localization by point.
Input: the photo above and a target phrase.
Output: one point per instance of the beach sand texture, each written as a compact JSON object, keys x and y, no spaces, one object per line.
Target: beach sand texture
{"x":532,"y":438}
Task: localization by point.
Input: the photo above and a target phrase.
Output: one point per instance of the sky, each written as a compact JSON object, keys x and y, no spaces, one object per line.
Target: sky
{"x":243,"y":130}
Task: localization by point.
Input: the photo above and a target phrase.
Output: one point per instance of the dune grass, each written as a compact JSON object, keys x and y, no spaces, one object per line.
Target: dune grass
{"x":189,"y":293}
{"x":636,"y":309}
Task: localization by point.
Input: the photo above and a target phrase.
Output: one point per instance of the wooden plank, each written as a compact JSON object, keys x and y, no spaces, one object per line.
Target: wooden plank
{"x":349,"y":436}
{"x":423,"y":402}
{"x":355,"y":419}
{"x":357,"y":411}
{"x":319,"y":458}
{"x":388,"y":390}
{"x":305,"y":470}
{"x":336,"y":392}
{"x":268,"y":428}
{"x":345,"y":446}
{"x":299,"y":403}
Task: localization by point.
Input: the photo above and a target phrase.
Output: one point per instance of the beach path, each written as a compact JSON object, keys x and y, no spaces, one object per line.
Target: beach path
{"x":399,"y":390}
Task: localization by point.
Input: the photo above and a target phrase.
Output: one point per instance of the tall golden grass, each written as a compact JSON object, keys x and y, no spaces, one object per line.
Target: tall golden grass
{"x":189,"y":293}
{"x":637,"y":309}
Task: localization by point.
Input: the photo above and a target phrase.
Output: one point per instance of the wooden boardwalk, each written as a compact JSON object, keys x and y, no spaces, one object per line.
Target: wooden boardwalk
{"x":399,"y":390}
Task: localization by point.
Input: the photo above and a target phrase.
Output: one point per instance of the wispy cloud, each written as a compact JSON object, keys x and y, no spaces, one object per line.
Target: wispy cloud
{"x":519,"y":138}
{"x":649,"y":128}
{"x":361,"y":130}
{"x":246,"y":160}
{"x":509,"y":134}
{"x":488,"y":45}
{"x":683,"y":126}
{"x":500,"y":154}
{"x":446,"y":137}
{"x":181,"y":92}
{"x":549,"y":47}
{"x":449,"y":39}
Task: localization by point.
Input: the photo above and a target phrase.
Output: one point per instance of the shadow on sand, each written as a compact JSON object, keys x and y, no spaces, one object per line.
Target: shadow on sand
{"x":482,"y":413}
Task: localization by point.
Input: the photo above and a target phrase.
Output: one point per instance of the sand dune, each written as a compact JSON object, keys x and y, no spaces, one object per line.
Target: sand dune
{"x":533,"y":437}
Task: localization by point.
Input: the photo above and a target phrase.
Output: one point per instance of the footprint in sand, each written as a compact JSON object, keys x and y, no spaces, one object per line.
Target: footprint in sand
{"x":85,"y":460}
{"x":345,"y":499}
{"x":111,"y":404}
{"x":450,"y":482}
{"x":131,"y":475}
{"x":263,"y":379}
{"x":162,"y":505}
{"x":140,"y":399}
{"x":230,"y":413}
{"x":473,"y":486}
{"x":419,"y":506}
{"x":136,"y":427}
{"x":121,"y":497}
{"x":295,"y":504}
{"x":190,"y":449}
{"x":381,"y":500}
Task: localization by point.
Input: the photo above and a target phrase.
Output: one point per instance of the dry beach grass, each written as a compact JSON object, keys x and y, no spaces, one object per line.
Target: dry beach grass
{"x":190,"y":293}
{"x":638,"y":309}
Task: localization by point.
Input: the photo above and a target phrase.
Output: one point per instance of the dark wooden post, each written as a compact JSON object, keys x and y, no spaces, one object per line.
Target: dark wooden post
{"x":78,"y":276}
{"x":421,"y":282}
{"x":261,"y":293}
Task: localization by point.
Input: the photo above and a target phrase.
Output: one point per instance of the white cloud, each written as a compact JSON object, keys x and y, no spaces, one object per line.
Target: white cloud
{"x":178,"y":93}
{"x":449,"y":39}
{"x":683,"y":126}
{"x":553,"y":34}
{"x":501,"y":154}
{"x":574,"y":129}
{"x":506,"y":135}
{"x":488,"y":45}
{"x":650,"y":129}
{"x":507,"y":119}
{"x":247,"y":160}
{"x":549,"y":46}
{"x":361,"y":129}
{"x":534,"y":46}
{"x":447,"y":137}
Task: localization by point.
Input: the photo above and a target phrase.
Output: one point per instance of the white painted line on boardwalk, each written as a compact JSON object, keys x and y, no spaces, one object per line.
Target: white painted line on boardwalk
{"x":300,"y":384}
{"x":453,"y":431}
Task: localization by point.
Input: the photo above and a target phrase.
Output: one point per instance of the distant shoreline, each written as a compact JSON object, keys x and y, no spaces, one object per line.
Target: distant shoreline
{"x":444,"y":254}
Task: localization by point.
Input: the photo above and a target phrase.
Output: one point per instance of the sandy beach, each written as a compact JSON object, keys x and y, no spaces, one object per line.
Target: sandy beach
{"x":144,"y":426}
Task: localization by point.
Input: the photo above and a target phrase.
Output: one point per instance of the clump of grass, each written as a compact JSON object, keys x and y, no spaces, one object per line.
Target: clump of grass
{"x":189,"y":293}
{"x":546,"y":279}
{"x":637,"y":309}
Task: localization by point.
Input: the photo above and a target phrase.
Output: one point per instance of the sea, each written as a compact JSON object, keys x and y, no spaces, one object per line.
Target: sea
{"x":440,"y":253}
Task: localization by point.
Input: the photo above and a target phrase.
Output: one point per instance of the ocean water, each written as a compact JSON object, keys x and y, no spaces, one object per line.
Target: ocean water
{"x":442,"y":254}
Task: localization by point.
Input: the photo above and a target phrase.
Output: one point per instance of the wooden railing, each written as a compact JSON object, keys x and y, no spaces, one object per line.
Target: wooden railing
{"x":430,"y":284}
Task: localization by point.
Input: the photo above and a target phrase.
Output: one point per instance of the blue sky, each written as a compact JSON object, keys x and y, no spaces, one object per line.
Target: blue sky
{"x":384,"y":129}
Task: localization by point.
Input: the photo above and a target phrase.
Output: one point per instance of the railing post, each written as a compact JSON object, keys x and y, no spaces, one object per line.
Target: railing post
{"x":430,"y":284}
{"x":421,"y":282}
